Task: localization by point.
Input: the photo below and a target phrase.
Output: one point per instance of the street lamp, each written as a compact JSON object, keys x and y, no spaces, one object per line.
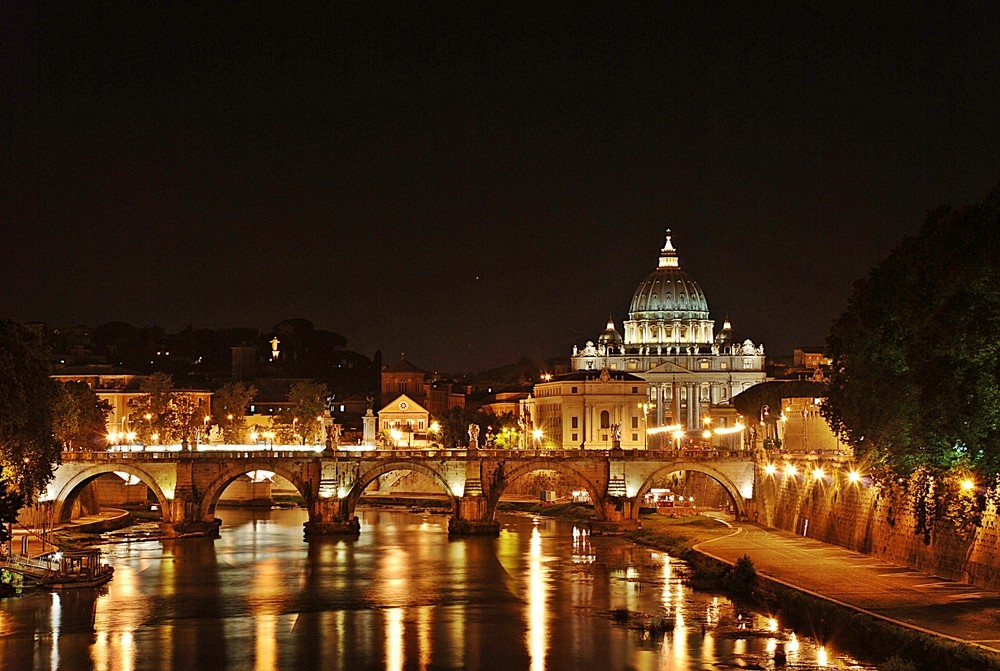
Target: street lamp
{"x":645,"y":407}
{"x":395,"y":434}
{"x":538,"y":434}
{"x":678,"y":435}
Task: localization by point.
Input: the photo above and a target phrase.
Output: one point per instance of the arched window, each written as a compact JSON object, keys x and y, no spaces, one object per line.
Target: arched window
{"x":605,"y":419}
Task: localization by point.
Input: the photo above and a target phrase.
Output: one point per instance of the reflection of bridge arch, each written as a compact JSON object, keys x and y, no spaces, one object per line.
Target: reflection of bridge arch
{"x":522,"y":469}
{"x":63,"y":504}
{"x":380,"y":469}
{"x":739,"y":504}
{"x":213,"y":492}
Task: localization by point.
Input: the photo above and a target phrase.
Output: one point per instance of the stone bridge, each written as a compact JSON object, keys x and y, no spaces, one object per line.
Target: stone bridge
{"x":188,"y":485}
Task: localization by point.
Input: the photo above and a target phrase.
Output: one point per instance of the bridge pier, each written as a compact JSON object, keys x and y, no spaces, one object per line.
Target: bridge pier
{"x":330,"y":517}
{"x":472,"y":518}
{"x":620,"y":514}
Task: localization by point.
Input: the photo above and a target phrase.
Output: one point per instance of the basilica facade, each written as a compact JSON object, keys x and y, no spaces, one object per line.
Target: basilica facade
{"x":688,"y":373}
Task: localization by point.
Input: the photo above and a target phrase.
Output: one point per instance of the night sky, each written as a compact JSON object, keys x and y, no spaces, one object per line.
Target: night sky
{"x":469,"y":184}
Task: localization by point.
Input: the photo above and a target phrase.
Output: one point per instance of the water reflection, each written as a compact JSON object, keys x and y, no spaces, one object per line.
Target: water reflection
{"x":402,"y":596}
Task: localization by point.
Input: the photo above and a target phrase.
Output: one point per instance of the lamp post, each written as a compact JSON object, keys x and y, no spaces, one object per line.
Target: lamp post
{"x":538,"y":434}
{"x":645,"y":423}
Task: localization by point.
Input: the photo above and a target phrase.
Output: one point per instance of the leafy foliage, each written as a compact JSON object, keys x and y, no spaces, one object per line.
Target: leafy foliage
{"x":229,"y":408}
{"x":80,"y":417}
{"x":309,"y":403}
{"x":28,"y":450}
{"x":915,"y":379}
{"x":495,"y":431}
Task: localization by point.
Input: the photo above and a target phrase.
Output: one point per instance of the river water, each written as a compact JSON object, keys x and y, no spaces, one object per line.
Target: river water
{"x":542,"y":596}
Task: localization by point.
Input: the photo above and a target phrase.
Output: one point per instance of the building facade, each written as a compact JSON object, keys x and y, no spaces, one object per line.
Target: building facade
{"x":688,"y":373}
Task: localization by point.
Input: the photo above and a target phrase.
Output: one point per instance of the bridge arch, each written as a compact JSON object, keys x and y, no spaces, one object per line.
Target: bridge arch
{"x":233,"y":471}
{"x":522,"y":469}
{"x":63,"y":502}
{"x":364,"y":479}
{"x":739,"y":503}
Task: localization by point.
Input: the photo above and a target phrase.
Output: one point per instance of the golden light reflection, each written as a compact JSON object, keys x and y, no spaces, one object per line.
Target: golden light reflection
{"x":424,"y":636}
{"x":821,"y":658}
{"x":772,"y":625}
{"x":266,"y":653}
{"x":772,"y":646}
{"x":739,"y":646}
{"x":99,"y":651}
{"x":126,"y":649}
{"x":394,"y":639}
{"x":55,"y":620}
{"x":537,"y":633}
{"x":666,"y":583}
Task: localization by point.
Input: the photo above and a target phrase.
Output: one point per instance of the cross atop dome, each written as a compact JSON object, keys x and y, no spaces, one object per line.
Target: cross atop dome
{"x":668,"y":255}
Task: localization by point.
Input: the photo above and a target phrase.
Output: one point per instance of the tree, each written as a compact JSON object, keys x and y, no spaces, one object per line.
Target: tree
{"x":28,"y":451}
{"x":80,"y":418}
{"x":915,"y":379}
{"x":153,"y":409}
{"x":185,"y":417}
{"x":498,"y":431}
{"x":229,"y":407}
{"x":308,"y":400}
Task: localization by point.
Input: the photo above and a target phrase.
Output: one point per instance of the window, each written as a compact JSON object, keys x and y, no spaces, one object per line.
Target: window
{"x":635,"y":390}
{"x":420,"y":425}
{"x":635,"y":437}
{"x":575,"y":437}
{"x":747,"y":363}
{"x":703,"y":364}
{"x":572,"y":390}
{"x":575,"y":422}
{"x":605,"y":420}
{"x":724,"y":365}
{"x":635,"y":422}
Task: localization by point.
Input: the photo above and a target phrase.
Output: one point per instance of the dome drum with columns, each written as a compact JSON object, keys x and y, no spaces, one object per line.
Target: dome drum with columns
{"x":670,"y":342}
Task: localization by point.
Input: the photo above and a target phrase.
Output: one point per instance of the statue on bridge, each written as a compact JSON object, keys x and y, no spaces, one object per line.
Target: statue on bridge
{"x":473,"y":436}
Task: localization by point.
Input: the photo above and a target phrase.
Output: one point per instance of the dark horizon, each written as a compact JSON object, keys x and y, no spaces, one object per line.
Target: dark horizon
{"x":475,"y":184}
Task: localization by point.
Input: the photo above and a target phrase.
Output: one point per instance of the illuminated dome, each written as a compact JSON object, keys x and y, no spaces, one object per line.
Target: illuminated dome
{"x":669,"y":307}
{"x":611,"y":337}
{"x":668,"y":292}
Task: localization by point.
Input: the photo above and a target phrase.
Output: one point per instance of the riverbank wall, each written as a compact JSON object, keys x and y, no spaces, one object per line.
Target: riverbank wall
{"x":931,"y":526}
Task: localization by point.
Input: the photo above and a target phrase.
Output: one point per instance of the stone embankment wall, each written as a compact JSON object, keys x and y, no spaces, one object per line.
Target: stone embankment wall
{"x":882,"y":521}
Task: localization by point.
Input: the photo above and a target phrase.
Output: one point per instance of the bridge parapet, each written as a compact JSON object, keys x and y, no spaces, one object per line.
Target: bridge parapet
{"x":331,"y":482}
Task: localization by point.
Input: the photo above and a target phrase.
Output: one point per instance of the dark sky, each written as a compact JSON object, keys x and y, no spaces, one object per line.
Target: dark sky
{"x":473,"y":184}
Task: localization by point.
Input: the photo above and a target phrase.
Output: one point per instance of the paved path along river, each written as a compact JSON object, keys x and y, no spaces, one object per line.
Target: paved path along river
{"x":919,"y":600}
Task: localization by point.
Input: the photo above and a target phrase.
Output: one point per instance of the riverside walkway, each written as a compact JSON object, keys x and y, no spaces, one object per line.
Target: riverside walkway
{"x":901,"y":595}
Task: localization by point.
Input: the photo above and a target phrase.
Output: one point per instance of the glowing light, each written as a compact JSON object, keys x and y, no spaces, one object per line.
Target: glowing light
{"x":968,"y":485}
{"x":726,"y":430}
{"x":821,"y":657}
{"x":854,"y":476}
{"x":818,"y":473}
{"x":537,"y":434}
{"x":706,"y":434}
{"x":772,"y":625}
{"x":678,"y":434}
{"x":537,"y":633}
{"x":670,"y":428}
{"x":790,"y":470}
{"x":770,"y":469}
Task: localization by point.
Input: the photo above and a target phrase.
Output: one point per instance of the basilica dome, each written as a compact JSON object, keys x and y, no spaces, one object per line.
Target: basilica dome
{"x":669,"y":308}
{"x":668,"y":292}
